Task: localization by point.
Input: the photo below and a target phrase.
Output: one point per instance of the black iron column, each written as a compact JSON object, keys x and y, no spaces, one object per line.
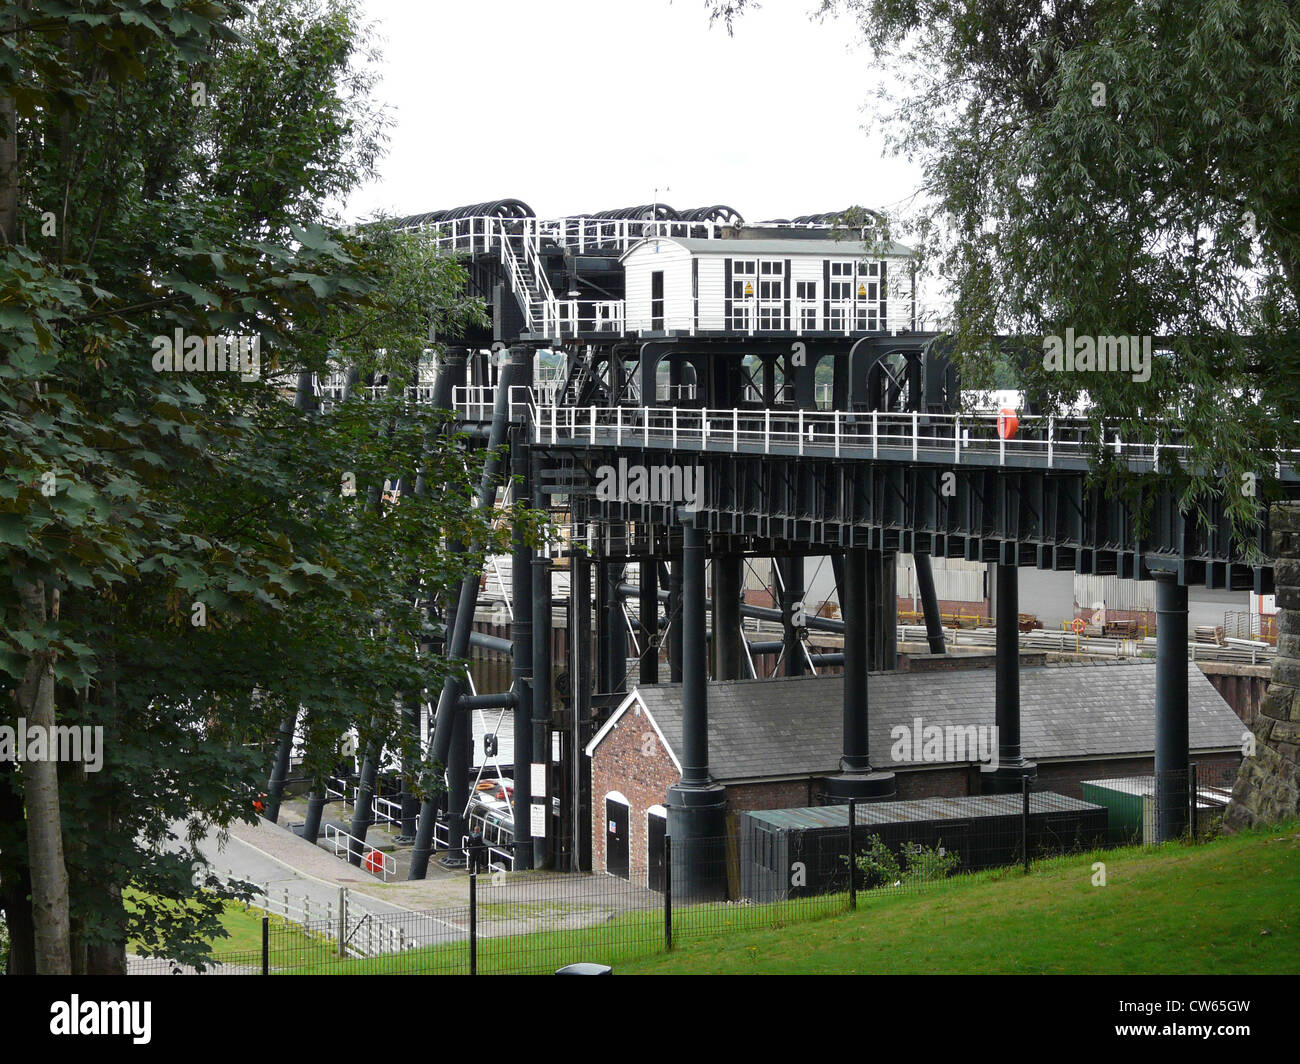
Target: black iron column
{"x":790,"y":570}
{"x":460,"y":765}
{"x":1012,"y":767}
{"x":543,"y":634}
{"x":363,"y":813}
{"x":856,"y":778}
{"x":579,"y":811}
{"x":407,"y":800}
{"x":521,"y":628}
{"x":604,"y":682}
{"x":649,"y":621}
{"x":728,"y":581}
{"x":1171,"y":708}
{"x":280,"y":767}
{"x":696,"y":805}
{"x":882,"y":610}
{"x":613,"y":622}
{"x":929,"y":604}
{"x":675,"y":621}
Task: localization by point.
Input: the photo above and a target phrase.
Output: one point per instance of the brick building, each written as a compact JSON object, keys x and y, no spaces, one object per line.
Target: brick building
{"x":771,"y":742}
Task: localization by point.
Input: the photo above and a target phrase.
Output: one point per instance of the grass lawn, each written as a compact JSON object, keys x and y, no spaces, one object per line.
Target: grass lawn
{"x":243,"y":929}
{"x":1226,"y":906}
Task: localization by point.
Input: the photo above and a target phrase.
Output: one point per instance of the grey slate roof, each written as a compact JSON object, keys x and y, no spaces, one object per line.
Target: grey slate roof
{"x":766,"y":729}
{"x":846,"y":249}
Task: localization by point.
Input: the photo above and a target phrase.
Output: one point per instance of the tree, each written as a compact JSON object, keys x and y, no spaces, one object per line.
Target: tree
{"x":183,"y":563}
{"x":1123,"y":170}
{"x":1120,"y":170}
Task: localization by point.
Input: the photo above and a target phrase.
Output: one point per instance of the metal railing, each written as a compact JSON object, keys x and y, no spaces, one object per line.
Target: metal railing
{"x":945,"y":438}
{"x":376,"y":862}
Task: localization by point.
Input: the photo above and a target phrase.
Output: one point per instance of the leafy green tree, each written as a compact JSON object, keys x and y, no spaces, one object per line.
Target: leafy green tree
{"x":185,"y":563}
{"x":1120,"y":170}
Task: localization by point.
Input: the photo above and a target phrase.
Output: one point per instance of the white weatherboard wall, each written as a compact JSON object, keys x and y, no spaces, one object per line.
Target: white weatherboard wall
{"x":713,"y":288}
{"x":679,"y":302}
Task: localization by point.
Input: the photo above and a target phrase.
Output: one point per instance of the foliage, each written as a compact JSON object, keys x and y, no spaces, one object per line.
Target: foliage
{"x":212,"y":573}
{"x":1118,"y":170}
{"x":913,"y":864}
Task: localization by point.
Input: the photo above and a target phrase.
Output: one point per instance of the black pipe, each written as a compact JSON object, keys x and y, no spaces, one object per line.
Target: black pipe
{"x":854,"y":607}
{"x":649,"y":621}
{"x":315,"y":807}
{"x":1172,"y":744}
{"x":542,"y":649}
{"x":1007,"y":680}
{"x":790,"y":570}
{"x":821,"y":624}
{"x":460,"y":638}
{"x":363,"y":813}
{"x":695,"y":712}
{"x":673,"y":596}
{"x":929,"y":604}
{"x":280,"y":767}
{"x":408,"y":801}
{"x":580,"y":708}
{"x":614,"y":622}
{"x":696,"y":805}
{"x":504,"y":700}
{"x":1012,"y":766}
{"x":728,"y":581}
{"x":521,"y":630}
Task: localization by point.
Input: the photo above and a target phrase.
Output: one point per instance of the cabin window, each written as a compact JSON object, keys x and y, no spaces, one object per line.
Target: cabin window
{"x":657,"y":300}
{"x":805,"y":293}
{"x":744,"y":292}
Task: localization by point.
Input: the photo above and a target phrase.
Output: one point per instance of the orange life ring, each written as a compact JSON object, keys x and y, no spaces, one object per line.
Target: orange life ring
{"x":375,"y":862}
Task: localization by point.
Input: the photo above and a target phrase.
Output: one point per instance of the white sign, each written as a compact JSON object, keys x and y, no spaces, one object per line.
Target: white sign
{"x":538,"y":786}
{"x":537,"y":820}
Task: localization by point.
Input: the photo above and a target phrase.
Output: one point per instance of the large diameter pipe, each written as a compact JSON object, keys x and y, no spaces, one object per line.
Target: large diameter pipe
{"x":821,"y":624}
{"x":459,"y":648}
{"x":929,"y":604}
{"x":1007,"y":678}
{"x":1172,"y":744}
{"x":695,"y":720}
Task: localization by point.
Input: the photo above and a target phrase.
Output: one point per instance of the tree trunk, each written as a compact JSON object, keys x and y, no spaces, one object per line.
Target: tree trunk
{"x":15,"y":880}
{"x":49,"y":873}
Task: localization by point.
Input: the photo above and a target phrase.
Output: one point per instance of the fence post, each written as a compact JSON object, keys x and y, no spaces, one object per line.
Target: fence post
{"x":473,"y":921}
{"x":853,"y":879}
{"x":266,"y":945}
{"x":668,"y":891}
{"x":343,"y":923}
{"x":1191,"y":819}
{"x":1024,"y":821}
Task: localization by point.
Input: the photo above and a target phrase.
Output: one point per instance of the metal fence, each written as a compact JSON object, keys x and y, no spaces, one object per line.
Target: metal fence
{"x":773,"y":870}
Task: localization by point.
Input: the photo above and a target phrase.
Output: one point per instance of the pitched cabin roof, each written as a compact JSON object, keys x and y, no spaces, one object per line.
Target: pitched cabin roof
{"x":776,"y":248}
{"x":792,"y":728}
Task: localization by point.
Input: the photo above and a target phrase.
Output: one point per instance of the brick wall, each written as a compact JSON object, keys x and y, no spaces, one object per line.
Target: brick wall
{"x":632,"y":761}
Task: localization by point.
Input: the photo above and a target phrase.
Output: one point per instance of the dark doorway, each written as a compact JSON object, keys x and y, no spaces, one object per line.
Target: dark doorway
{"x":656,"y":829}
{"x":616,"y":832}
{"x":657,"y":301}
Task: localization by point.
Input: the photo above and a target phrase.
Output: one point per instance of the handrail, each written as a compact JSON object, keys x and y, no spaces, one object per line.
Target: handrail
{"x":951,"y":438}
{"x":387,"y":863}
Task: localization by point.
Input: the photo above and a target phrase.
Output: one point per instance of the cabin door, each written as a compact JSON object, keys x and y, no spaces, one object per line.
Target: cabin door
{"x":616,"y":838}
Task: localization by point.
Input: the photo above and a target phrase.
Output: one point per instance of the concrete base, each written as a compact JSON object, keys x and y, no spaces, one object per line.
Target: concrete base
{"x":697,"y":825}
{"x":865,"y":786}
{"x":1007,"y":778}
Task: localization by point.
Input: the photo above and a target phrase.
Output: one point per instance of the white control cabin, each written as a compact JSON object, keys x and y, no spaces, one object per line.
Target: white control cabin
{"x":764,"y":286}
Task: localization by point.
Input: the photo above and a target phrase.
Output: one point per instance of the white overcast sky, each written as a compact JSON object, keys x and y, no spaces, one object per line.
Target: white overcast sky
{"x":582,"y":105}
